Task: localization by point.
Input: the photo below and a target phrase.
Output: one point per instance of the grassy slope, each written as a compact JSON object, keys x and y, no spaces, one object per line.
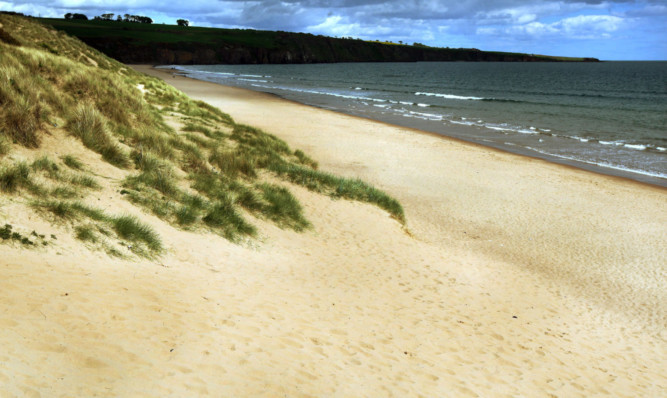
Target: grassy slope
{"x":149,"y":33}
{"x":141,"y":34}
{"x":208,"y":173}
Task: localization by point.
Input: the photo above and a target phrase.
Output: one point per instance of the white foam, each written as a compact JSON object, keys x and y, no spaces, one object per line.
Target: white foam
{"x":617,"y":143}
{"x":601,"y":164}
{"x":463,"y":123}
{"x":423,"y":105}
{"x":425,"y":116}
{"x":636,"y":147}
{"x":301,"y":90}
{"x":450,"y":96}
{"x":498,"y":128}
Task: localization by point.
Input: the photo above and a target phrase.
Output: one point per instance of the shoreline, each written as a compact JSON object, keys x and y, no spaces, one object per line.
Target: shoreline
{"x":625,"y":175}
{"x":461,"y":133}
{"x":300,"y":127}
{"x":512,"y":277}
{"x":518,"y":277}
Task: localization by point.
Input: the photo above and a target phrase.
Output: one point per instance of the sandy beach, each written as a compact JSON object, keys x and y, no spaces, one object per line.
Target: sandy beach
{"x":512,"y":277}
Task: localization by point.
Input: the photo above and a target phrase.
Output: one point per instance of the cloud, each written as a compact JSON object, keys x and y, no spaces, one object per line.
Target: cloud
{"x":504,"y":25}
{"x":577,"y":27}
{"x":590,"y":26}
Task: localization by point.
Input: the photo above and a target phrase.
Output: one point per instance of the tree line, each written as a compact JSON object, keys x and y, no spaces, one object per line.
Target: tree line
{"x":121,"y":18}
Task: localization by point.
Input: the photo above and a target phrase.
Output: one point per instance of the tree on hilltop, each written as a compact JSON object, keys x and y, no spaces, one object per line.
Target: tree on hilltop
{"x":69,"y":15}
{"x":105,"y":17}
{"x":183,"y":22}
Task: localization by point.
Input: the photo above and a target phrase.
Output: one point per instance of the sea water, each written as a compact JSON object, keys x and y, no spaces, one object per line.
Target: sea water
{"x":610,"y":116}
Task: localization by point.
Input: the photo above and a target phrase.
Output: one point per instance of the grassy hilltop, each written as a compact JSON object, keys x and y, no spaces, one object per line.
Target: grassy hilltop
{"x":81,"y":133}
{"x":169,"y":44}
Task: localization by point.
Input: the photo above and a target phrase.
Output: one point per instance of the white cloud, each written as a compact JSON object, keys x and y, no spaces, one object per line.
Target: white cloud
{"x":590,"y":26}
{"x":504,"y":25}
{"x":577,"y":27}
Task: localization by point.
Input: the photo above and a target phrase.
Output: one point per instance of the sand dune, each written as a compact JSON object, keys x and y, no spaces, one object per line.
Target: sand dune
{"x":513,"y":277}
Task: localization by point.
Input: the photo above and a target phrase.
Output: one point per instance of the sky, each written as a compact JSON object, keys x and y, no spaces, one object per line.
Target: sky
{"x":608,"y":30}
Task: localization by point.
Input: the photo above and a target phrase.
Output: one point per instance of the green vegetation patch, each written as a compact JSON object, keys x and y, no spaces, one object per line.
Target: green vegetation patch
{"x":339,"y":187}
{"x":87,"y":124}
{"x":283,"y":208}
{"x":8,"y":234}
{"x":213,"y":175}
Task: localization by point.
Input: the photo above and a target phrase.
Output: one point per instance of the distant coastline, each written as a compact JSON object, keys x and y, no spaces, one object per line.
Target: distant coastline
{"x":134,"y":43}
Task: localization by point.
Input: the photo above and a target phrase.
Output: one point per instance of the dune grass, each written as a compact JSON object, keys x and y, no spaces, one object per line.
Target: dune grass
{"x":14,"y":177}
{"x":130,"y":228}
{"x":283,"y":208}
{"x":72,"y":162}
{"x":339,"y":187}
{"x":88,"y":125}
{"x":213,"y":175}
{"x":5,"y":145}
{"x":146,"y":241}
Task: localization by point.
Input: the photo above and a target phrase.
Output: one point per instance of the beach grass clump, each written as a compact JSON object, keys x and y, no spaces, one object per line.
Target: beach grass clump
{"x":157,"y":143}
{"x":51,"y":169}
{"x":62,"y":209}
{"x":259,"y":140}
{"x":8,"y":234}
{"x":305,"y":159}
{"x":130,"y":228}
{"x":212,"y":110}
{"x":46,"y":165}
{"x":339,"y":187}
{"x":84,"y":181}
{"x":85,"y":233}
{"x":202,"y":110}
{"x":199,"y":128}
{"x":283,"y":208}
{"x":89,"y":126}
{"x":160,"y":93}
{"x":186,"y":215}
{"x":5,"y":145}
{"x":249,"y":199}
{"x":191,"y":209}
{"x":156,"y":173}
{"x":70,"y":210}
{"x":224,"y":216}
{"x":72,"y":162}
{"x":233,"y":162}
{"x":213,"y":186}
{"x":202,"y":142}
{"x":126,"y":227}
{"x":14,"y":177}
{"x":21,"y":120}
{"x":193,"y":160}
{"x":63,"y":192}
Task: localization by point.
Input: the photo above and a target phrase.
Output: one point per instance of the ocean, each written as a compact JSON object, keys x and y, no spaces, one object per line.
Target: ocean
{"x":609,"y":117}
